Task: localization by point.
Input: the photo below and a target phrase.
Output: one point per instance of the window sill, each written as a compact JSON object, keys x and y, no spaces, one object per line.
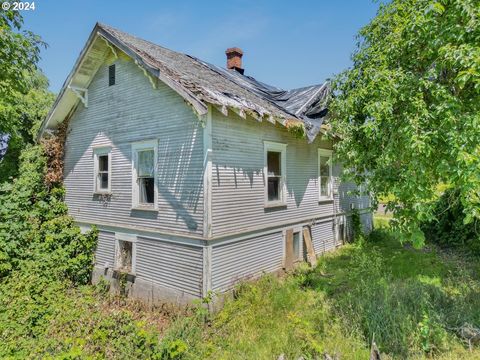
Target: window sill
{"x":144,"y":208}
{"x":127,"y":275}
{"x":102,"y":193}
{"x":325,"y":200}
{"x":276,"y":204}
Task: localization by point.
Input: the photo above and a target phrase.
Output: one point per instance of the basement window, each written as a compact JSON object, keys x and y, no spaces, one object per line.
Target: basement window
{"x":103,"y":170}
{"x":275,"y":173}
{"x":111,"y":75}
{"x":125,"y":254}
{"x":297,"y":256}
{"x":144,"y":175}
{"x":325,"y":183}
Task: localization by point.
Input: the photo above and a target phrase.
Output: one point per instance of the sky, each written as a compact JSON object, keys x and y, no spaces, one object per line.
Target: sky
{"x":288,"y":44}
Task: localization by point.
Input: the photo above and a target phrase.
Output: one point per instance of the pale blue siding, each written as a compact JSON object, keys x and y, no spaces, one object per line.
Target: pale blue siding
{"x":129,"y":111}
{"x":244,"y":259}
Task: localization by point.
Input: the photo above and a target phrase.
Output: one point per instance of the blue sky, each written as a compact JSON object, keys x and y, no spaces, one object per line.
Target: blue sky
{"x":286,"y":43}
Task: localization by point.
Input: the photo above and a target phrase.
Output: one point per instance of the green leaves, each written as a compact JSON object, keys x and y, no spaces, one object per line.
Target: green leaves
{"x":408,"y":110}
{"x":35,"y":226}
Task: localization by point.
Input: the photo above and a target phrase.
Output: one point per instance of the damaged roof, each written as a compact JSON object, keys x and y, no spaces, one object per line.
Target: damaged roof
{"x":201,"y":83}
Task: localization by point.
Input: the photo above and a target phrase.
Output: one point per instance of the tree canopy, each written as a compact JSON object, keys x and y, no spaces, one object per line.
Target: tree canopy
{"x":408,"y":111}
{"x":24,"y":95}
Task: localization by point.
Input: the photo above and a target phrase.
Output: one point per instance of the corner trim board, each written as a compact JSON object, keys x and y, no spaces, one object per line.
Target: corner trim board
{"x":207,"y":176}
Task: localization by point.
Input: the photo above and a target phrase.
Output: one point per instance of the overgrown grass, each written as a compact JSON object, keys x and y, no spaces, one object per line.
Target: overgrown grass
{"x":414,"y":302}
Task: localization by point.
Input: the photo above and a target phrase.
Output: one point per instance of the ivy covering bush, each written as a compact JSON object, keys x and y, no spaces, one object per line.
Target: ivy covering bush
{"x":35,"y":226}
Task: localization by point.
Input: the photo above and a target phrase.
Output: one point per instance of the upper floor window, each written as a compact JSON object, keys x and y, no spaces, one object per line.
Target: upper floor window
{"x":275,"y":173}
{"x":103,"y":170}
{"x":325,"y":183}
{"x":144,"y":156}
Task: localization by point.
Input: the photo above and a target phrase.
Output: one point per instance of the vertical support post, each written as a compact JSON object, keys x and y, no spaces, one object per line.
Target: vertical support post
{"x":207,"y":176}
{"x":207,"y":270}
{"x":289,"y":257}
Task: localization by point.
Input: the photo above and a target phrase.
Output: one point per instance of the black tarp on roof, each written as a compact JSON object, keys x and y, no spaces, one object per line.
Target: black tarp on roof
{"x":308,"y":103}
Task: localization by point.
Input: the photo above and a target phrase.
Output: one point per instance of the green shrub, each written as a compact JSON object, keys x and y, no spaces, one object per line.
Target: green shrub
{"x":449,"y":228}
{"x":34,"y":225}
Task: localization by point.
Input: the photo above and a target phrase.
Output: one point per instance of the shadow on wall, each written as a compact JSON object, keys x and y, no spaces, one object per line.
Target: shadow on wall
{"x":128,"y":112}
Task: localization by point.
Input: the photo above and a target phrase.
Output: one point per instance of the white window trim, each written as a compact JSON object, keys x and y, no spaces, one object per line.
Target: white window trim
{"x":282,"y":148}
{"x":98,"y":151}
{"x":126,"y":238}
{"x":144,"y":145}
{"x":325,"y":153}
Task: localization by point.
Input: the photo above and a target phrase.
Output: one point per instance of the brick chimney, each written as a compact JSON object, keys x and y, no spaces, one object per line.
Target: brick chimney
{"x":234,"y":59}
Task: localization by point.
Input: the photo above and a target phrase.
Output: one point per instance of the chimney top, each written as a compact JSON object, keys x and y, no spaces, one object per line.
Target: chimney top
{"x":234,"y":59}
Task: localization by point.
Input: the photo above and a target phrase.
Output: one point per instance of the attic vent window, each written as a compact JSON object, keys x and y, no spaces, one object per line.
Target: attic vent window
{"x":111,"y":75}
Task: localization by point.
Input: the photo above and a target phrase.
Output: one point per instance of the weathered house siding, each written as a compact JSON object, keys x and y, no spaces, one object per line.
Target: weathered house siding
{"x":105,"y":253}
{"x":173,"y":258}
{"x":171,"y":265}
{"x":238,"y":182}
{"x":245,"y":258}
{"x":129,"y":111}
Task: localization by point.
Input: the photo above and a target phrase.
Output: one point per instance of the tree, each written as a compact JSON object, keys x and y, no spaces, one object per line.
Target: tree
{"x":408,"y":111}
{"x":24,"y":98}
{"x":25,"y":116}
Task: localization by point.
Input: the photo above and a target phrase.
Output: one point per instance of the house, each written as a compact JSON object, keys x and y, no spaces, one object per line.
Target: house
{"x":196,"y":176}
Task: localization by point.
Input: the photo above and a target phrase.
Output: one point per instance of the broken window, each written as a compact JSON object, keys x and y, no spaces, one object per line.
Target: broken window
{"x":144,"y":175}
{"x":275,"y":173}
{"x":125,"y":255}
{"x":325,"y":173}
{"x":102,"y":165}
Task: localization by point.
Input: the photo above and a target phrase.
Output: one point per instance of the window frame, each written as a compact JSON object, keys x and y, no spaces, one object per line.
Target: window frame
{"x":299,"y":255}
{"x":122,"y":237}
{"x":137,"y":147}
{"x":97,"y":152}
{"x":329,"y":154}
{"x":282,"y":149}
{"x":112,"y":74}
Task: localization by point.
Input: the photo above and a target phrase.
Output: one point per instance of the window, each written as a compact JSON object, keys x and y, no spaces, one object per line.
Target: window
{"x":125,"y":253}
{"x":325,"y":184}
{"x":103,"y":170}
{"x":144,"y":156}
{"x":111,"y":75}
{"x":275,"y":173}
{"x":296,"y":246}
{"x":293,"y":247}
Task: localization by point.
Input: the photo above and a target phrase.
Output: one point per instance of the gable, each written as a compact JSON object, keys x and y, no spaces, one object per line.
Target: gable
{"x":198,"y":83}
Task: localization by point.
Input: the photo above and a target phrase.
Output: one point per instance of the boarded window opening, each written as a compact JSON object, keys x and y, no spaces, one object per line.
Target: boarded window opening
{"x":111,"y":75}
